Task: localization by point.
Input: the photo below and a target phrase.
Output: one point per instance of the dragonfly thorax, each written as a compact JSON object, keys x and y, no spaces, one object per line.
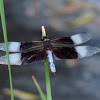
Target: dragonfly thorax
{"x":47,"y":45}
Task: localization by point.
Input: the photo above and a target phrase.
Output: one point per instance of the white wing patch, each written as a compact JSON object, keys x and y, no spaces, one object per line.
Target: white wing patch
{"x":14,"y":59}
{"x":81,"y":38}
{"x":12,"y":46}
{"x":85,"y":51}
{"x":51,"y":63}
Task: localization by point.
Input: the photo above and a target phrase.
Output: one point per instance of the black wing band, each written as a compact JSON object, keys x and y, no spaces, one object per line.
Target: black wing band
{"x":33,"y":56}
{"x":27,"y":45}
{"x":65,"y":53}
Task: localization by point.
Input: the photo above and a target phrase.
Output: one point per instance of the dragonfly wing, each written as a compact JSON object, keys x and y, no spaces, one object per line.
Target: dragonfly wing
{"x":19,"y":46}
{"x":24,"y":58}
{"x":74,"y":52}
{"x":74,"y":39}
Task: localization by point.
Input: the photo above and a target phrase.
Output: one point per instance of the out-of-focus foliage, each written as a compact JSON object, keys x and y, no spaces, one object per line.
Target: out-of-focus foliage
{"x":21,"y":94}
{"x":60,"y":14}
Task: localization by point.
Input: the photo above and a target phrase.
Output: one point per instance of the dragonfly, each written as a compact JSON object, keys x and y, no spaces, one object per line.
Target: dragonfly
{"x":37,"y":51}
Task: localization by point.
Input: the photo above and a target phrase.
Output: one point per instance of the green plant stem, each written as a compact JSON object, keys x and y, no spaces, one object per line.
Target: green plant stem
{"x":6,"y":43}
{"x":39,"y":89}
{"x":47,"y":77}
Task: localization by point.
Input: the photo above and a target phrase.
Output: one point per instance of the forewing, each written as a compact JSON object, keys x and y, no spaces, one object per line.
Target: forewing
{"x":19,"y":46}
{"x":74,"y":52}
{"x":73,"y":40}
{"x":24,"y":58}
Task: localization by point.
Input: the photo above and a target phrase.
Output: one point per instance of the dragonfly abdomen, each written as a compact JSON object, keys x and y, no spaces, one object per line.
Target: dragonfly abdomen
{"x":51,"y":62}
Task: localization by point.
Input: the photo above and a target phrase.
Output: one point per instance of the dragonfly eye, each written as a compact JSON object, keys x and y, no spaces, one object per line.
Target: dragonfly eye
{"x":45,"y":38}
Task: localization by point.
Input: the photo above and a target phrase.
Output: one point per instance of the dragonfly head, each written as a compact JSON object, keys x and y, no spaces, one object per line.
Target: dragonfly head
{"x":45,"y":38}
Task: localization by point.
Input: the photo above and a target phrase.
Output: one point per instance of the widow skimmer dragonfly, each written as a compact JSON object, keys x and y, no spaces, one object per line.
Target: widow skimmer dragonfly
{"x":36,"y":51}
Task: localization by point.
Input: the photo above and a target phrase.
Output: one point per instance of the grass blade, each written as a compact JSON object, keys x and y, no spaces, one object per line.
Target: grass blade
{"x":39,"y":89}
{"x":47,"y":77}
{"x":21,"y":95}
{"x":6,"y":43}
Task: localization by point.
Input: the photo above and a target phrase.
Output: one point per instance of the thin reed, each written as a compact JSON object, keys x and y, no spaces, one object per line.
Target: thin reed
{"x":6,"y":43}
